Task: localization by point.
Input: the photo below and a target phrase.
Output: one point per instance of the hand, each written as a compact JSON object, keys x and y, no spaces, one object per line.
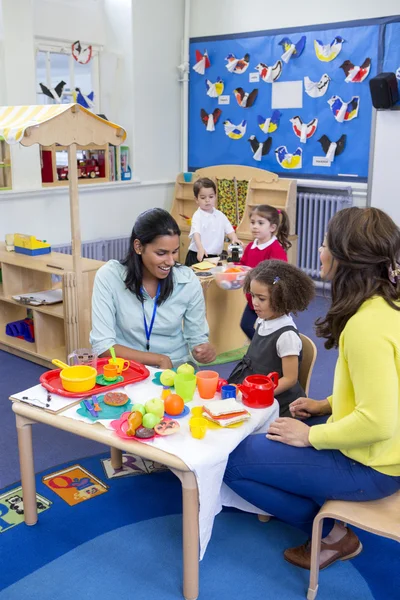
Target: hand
{"x":290,"y":432}
{"x":164,"y":362}
{"x":204,"y":353}
{"x":304,"y":408}
{"x":201,"y":254}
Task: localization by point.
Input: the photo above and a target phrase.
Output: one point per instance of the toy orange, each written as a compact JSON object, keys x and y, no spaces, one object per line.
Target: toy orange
{"x":135,"y":420}
{"x":174,"y":404}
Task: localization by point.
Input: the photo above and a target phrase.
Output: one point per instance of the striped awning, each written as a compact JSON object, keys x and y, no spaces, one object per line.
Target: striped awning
{"x":15,"y":120}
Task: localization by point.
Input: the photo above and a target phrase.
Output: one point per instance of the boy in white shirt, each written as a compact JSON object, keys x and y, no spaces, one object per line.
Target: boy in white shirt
{"x":209,"y":225}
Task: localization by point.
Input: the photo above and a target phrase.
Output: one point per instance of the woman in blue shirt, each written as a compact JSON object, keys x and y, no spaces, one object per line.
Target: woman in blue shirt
{"x":148,"y":308}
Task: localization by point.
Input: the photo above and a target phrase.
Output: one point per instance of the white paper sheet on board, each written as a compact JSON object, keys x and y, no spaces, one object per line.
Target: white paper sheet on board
{"x":287,"y":94}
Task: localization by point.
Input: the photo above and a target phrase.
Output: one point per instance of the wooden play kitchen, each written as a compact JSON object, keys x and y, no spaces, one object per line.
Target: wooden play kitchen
{"x":60,"y":328}
{"x":238,"y":189}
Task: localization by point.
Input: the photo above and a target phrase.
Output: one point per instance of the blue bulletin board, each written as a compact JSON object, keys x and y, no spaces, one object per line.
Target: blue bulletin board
{"x":313,"y":85}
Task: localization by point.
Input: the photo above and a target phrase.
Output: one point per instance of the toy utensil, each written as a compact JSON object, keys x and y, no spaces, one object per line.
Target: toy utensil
{"x":114,"y":358}
{"x":95,"y":403}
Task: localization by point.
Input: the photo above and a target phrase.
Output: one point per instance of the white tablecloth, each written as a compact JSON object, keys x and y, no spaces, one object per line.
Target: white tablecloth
{"x":207,"y":458}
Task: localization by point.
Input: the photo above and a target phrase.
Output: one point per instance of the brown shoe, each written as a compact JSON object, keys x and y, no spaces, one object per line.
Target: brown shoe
{"x":348,"y":547}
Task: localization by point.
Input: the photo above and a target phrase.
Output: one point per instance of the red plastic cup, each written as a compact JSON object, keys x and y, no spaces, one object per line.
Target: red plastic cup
{"x":207,"y":382}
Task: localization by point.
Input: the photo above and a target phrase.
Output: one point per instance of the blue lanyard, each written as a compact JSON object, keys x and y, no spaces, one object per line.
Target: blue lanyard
{"x":147,"y":329}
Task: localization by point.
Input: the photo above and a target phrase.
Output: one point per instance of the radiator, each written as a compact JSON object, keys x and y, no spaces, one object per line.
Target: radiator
{"x":104,"y":250}
{"x":314,"y":209}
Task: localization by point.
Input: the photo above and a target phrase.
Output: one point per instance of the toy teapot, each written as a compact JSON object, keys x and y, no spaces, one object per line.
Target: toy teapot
{"x":235,"y":251}
{"x":258,"y":390}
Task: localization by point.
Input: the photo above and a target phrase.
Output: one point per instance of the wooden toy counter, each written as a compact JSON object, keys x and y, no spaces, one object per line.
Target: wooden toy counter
{"x":239,"y":188}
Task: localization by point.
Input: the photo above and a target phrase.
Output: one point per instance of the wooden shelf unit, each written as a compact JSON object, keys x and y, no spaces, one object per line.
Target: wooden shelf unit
{"x":264,"y":187}
{"x":5,"y":166}
{"x":54,"y":325}
{"x":51,"y":151}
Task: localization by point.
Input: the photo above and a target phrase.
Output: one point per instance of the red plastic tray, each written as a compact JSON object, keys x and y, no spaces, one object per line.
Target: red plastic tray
{"x":51,"y":380}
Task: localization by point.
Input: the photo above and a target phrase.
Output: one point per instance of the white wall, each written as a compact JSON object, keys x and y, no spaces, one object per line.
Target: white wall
{"x":215,"y":17}
{"x":142,"y":41}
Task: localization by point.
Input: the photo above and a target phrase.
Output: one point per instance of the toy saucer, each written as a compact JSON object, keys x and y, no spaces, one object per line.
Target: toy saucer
{"x":121,"y":426}
{"x":212,"y":425}
{"x":107,"y":412}
{"x":184,"y":413}
{"x":101,"y":381}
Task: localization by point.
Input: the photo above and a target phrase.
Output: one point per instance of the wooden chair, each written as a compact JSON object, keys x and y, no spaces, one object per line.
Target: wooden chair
{"x":308,"y":362}
{"x":381,"y":517}
{"x":306,"y":369}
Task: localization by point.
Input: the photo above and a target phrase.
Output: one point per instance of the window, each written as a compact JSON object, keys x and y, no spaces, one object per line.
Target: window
{"x":55,"y":63}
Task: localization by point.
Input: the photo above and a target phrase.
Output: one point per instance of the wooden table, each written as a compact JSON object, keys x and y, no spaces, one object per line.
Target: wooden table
{"x":26,"y":416}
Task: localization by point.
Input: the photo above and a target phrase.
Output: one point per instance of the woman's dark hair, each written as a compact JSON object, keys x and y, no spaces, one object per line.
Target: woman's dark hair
{"x":276,"y":217}
{"x":204,"y":182}
{"x":148,"y":226}
{"x":290,"y":290}
{"x":365,"y":243}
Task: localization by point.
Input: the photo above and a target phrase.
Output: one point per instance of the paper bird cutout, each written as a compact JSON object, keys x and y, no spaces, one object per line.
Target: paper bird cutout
{"x":271,"y":124}
{"x":85,"y":101}
{"x":237,"y":65}
{"x":316,"y":89}
{"x":53,"y":93}
{"x":292,"y":50}
{"x":304,"y":130}
{"x":328,"y":52}
{"x":214,"y":89}
{"x":235,"y":132}
{"x":260,"y":149}
{"x":81,"y":55}
{"x":287,"y":160}
{"x":210,"y":119}
{"x":356,"y":74}
{"x":245,"y":99}
{"x":202,"y":62}
{"x":332,"y":149}
{"x":344,"y":111}
{"x":270,"y":74}
{"x":398,"y":73}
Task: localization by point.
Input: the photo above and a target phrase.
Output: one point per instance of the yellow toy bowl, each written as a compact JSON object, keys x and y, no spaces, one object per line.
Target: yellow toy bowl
{"x":79,"y":378}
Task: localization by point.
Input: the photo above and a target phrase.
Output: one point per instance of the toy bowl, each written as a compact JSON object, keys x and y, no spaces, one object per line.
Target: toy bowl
{"x":230,"y":277}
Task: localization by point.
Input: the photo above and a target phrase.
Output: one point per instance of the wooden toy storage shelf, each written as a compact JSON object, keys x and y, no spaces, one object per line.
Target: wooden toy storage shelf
{"x":24,"y":274}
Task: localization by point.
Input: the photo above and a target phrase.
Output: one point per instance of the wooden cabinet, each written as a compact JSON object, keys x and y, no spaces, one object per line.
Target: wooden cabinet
{"x":55,"y":325}
{"x":5,"y":166}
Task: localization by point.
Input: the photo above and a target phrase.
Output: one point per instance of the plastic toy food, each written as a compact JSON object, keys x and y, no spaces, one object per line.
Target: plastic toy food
{"x":174,"y":404}
{"x":230,"y":278}
{"x":185,"y":368}
{"x":134,"y":421}
{"x":144,"y":433}
{"x":155,"y":406}
{"x":115,"y":399}
{"x":150,"y":420}
{"x":167,"y":427}
{"x":140,"y":408}
{"x":167,"y":377}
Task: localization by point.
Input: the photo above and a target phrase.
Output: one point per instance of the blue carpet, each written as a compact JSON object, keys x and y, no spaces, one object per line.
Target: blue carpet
{"x":128,"y":543}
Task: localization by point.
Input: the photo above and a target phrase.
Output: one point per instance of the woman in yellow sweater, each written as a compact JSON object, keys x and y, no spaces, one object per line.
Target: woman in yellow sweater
{"x":355,"y":454}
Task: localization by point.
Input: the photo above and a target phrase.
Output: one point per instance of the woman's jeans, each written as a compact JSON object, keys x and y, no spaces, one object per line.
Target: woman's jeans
{"x":293,"y":483}
{"x":249,"y":317}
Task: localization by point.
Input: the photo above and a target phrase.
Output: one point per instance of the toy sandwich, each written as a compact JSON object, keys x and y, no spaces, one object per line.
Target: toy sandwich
{"x":225,"y":412}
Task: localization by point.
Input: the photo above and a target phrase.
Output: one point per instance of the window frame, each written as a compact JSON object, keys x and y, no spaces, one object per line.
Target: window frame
{"x":64,"y":47}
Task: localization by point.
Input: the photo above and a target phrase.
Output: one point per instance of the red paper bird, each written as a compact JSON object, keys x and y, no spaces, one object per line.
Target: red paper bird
{"x":210,"y":119}
{"x":304,"y":130}
{"x":202,"y":62}
{"x":237,"y":65}
{"x":356,"y":74}
{"x":81,"y":55}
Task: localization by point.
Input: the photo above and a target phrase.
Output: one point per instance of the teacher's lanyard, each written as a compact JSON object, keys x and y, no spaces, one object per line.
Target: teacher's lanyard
{"x":147,"y":329}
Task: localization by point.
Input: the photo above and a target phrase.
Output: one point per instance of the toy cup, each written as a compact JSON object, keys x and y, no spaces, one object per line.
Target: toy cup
{"x":110,"y":372}
{"x":228,"y":391}
{"x":83,"y":356}
{"x":187,"y":177}
{"x":198,"y":427}
{"x":207,"y":382}
{"x":122,"y":364}
{"x":197,"y":411}
{"x":184,"y":385}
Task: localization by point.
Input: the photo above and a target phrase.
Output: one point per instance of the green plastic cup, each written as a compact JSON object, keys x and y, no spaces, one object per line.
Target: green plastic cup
{"x":185,"y":385}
